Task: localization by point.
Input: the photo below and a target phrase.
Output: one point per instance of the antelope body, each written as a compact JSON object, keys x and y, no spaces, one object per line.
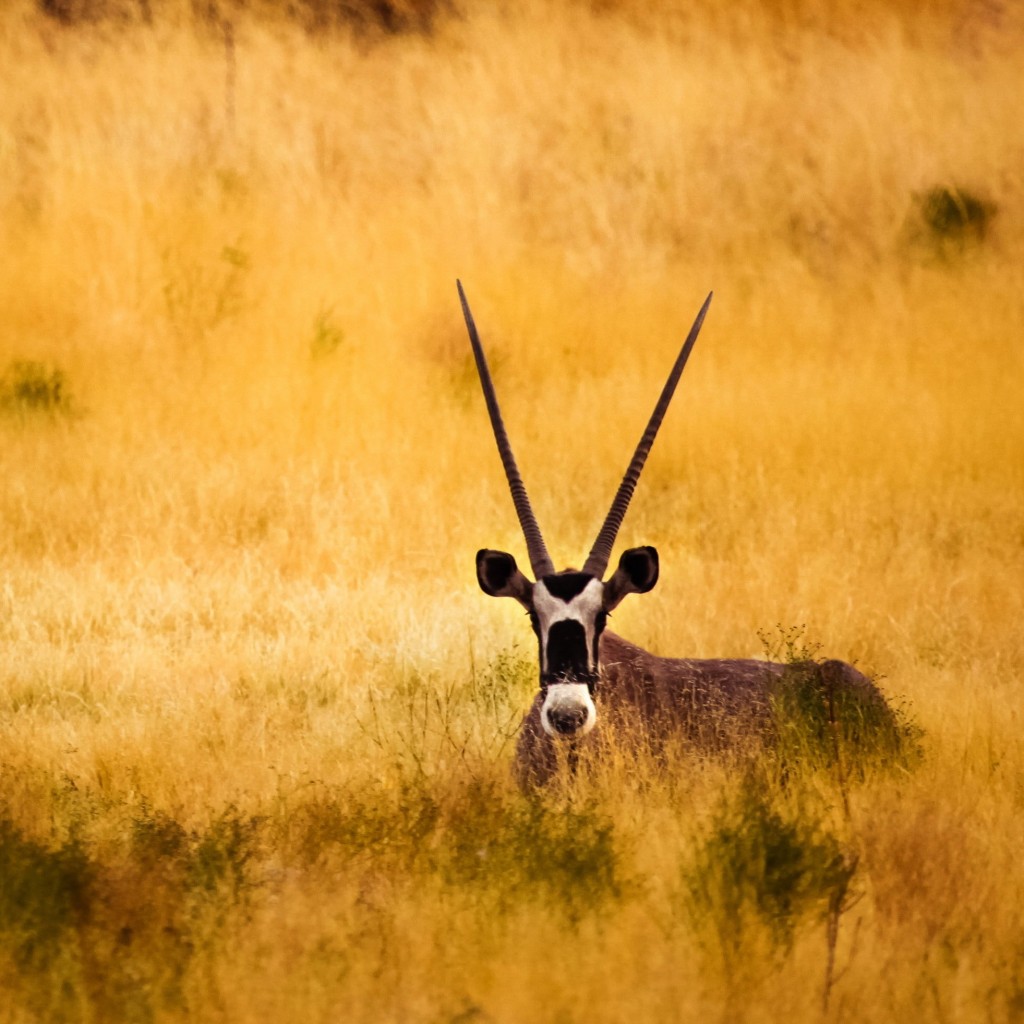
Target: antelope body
{"x":584,"y":667}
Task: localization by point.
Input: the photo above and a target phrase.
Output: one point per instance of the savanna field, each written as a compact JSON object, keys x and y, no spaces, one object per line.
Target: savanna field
{"x":256,"y":716}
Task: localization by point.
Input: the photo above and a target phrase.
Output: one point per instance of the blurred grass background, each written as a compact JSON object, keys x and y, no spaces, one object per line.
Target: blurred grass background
{"x":255,"y":715}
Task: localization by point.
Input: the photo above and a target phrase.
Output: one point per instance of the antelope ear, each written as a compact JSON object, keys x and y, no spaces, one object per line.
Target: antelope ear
{"x":637,"y":573}
{"x":499,"y":576}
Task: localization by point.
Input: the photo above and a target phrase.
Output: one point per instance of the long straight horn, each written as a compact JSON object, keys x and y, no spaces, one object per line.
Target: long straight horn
{"x":539,"y":557}
{"x":597,"y":560}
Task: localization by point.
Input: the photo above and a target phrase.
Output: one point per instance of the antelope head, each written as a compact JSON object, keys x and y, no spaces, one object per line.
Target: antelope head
{"x":568,"y":610}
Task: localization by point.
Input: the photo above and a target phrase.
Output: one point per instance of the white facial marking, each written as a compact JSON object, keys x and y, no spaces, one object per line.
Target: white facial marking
{"x":572,"y":703}
{"x":583,"y":608}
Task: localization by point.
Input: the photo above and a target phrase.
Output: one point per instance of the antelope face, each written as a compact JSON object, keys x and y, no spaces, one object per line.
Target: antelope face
{"x":568,"y":612}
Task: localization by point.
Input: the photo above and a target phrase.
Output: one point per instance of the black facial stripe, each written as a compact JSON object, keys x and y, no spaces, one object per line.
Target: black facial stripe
{"x":567,"y":585}
{"x":567,"y":651}
{"x":599,"y":624}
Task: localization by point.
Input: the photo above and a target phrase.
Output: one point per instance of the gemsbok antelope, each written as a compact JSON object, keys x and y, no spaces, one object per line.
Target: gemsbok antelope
{"x":710,"y":703}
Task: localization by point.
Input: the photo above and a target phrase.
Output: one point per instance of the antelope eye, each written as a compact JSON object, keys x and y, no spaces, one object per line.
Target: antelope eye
{"x":601,"y":621}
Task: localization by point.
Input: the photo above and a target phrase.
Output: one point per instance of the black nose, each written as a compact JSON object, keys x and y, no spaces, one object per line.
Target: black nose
{"x":567,"y":720}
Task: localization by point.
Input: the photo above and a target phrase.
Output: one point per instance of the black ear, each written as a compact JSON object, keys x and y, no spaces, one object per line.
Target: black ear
{"x":499,"y":576}
{"x":637,"y":573}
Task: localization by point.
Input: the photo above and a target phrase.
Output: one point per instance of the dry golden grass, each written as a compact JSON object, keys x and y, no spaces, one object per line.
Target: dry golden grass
{"x":255,"y":715}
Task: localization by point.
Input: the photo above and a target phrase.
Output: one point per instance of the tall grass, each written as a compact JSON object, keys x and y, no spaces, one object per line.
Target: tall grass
{"x":255,"y":716}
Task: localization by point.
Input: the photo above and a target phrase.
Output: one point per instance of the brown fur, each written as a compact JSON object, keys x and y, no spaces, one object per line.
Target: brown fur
{"x":710,"y":704}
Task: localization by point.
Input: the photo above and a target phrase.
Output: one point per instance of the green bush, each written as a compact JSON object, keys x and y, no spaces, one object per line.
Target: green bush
{"x":44,"y":893}
{"x":947,"y":221}
{"x":473,"y":835}
{"x":766,"y":864}
{"x":823,"y":721}
{"x":29,"y":388}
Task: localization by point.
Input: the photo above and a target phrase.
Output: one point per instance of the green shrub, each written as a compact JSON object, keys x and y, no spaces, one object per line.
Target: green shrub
{"x":764,"y":864}
{"x":328,"y":337}
{"x":30,"y":388}
{"x":211,"y":863}
{"x":823,"y":721}
{"x":515,"y":847}
{"x":947,"y":221}
{"x":473,"y":835}
{"x":44,"y":893}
